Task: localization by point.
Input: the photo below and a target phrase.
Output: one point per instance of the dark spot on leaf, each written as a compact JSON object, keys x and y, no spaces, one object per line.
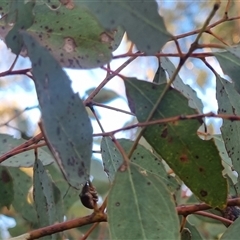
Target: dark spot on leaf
{"x":148,"y":183}
{"x":5,"y":176}
{"x":184,"y":158}
{"x":58,"y":130}
{"x":117,"y":204}
{"x":164,"y":132}
{"x":4,"y":140}
{"x":39,"y":62}
{"x":14,"y":37}
{"x":197,"y":157}
{"x":201,"y":169}
{"x":203,"y":193}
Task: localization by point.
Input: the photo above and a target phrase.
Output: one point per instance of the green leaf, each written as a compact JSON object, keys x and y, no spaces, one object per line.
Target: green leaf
{"x":232,"y":232}
{"x":22,"y":184}
{"x":69,"y":195}
{"x":230,"y":63}
{"x":6,"y":188}
{"x":195,"y":161}
{"x":227,"y":164}
{"x":4,"y":8}
{"x":150,"y":163}
{"x":112,"y":158}
{"x":193,"y":101}
{"x":73,"y":36}
{"x":195,"y":234}
{"x":21,"y":15}
{"x":67,"y":127}
{"x":47,"y":197}
{"x":118,"y":36}
{"x":228,"y":99}
{"x":160,"y":76}
{"x":140,"y":207}
{"x":25,"y":159}
{"x":139,"y":20}
{"x":186,"y":234}
{"x":104,"y":96}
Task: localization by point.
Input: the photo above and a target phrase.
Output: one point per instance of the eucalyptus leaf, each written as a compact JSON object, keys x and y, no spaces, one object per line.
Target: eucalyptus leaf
{"x":232,"y":232}
{"x":112,"y":158}
{"x":160,"y":75}
{"x":47,"y":197}
{"x":142,"y":200}
{"x":21,"y":14}
{"x":229,"y":61}
{"x":151,"y":163}
{"x":23,"y":202}
{"x":71,"y":34}
{"x":67,"y":128}
{"x":195,"y":161}
{"x":139,"y":20}
{"x":6,"y":188}
{"x":227,"y":97}
{"x":24,"y":159}
{"x":193,"y":101}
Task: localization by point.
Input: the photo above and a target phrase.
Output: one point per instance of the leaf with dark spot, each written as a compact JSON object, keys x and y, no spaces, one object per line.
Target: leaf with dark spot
{"x":6,"y":188}
{"x":22,"y":184}
{"x":144,"y":200}
{"x":228,"y":98}
{"x":21,"y":15}
{"x":47,"y":197}
{"x":139,"y":20}
{"x":181,"y":145}
{"x":24,"y":159}
{"x":61,"y":108}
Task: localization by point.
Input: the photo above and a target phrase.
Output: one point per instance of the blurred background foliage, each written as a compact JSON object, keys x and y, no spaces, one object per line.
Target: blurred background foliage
{"x":20,"y":113}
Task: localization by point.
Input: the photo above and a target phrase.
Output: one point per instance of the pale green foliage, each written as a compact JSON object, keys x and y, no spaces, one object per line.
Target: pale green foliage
{"x":143,"y":183}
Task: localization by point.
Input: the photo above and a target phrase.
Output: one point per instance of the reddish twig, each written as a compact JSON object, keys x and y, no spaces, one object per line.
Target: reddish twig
{"x":21,"y":147}
{"x":171,"y":119}
{"x":59,"y":227}
{"x":214,"y":216}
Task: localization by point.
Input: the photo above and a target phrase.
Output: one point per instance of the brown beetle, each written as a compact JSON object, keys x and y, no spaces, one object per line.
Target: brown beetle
{"x":88,"y":195}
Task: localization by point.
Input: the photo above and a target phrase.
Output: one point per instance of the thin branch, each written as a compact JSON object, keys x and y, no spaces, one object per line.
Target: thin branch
{"x":208,"y":28}
{"x":16,"y":72}
{"x":111,"y":108}
{"x":107,"y":79}
{"x":141,"y":54}
{"x":184,"y":210}
{"x":21,"y":147}
{"x":171,"y":119}
{"x":211,"y":45}
{"x":214,"y":216}
{"x":217,"y":37}
{"x":90,"y":230}
{"x":18,"y":151}
{"x":227,"y":9}
{"x":190,"y":209}
{"x":59,"y":227}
